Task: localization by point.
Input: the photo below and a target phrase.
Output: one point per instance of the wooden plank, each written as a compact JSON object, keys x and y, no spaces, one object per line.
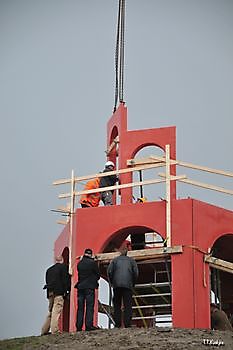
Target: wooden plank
{"x":72,"y":203}
{"x":64,"y":209}
{"x":204,"y":168}
{"x":202,"y":184}
{"x":146,"y":160}
{"x":194,"y":166}
{"x":142,"y":253}
{"x":113,"y":144}
{"x":147,"y":163}
{"x":114,"y":172}
{"x":168,"y":196}
{"x":207,"y":186}
{"x":62,"y":222}
{"x":219,"y":263}
{"x":118,"y":187}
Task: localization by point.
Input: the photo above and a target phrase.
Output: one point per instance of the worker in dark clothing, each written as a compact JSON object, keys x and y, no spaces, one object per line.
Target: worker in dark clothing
{"x":219,"y":319}
{"x":106,"y":181}
{"x":122,"y":273}
{"x":88,"y":276}
{"x":58,"y":286}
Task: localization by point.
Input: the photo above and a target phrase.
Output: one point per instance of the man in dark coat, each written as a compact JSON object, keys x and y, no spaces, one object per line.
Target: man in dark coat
{"x":57,"y":281}
{"x":219,"y":319}
{"x":88,"y":276}
{"x":122,"y":273}
{"x":106,"y":181}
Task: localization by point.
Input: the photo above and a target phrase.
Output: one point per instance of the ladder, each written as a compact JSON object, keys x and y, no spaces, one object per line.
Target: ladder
{"x":152,"y":297}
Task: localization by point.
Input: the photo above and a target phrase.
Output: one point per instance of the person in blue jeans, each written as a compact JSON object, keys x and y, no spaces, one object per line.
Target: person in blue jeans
{"x":88,"y":276}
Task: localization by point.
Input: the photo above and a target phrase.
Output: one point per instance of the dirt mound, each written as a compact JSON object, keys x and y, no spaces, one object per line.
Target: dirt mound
{"x":126,"y":339}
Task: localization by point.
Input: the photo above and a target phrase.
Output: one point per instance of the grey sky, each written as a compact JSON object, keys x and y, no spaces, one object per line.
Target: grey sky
{"x":57,"y":93}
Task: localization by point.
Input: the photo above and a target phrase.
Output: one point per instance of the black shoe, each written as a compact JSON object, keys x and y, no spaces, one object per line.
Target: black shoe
{"x":93,"y":328}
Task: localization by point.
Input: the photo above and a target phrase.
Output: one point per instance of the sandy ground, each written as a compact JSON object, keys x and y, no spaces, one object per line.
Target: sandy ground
{"x":126,"y":339}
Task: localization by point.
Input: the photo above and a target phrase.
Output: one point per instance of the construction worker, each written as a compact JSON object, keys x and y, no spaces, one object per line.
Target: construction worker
{"x":122,"y":273}
{"x":219,"y":319}
{"x":106,"y":181}
{"x":91,"y":199}
{"x":58,"y":286}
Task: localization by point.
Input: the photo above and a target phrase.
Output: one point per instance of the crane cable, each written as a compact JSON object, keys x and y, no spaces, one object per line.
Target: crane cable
{"x":119,"y":55}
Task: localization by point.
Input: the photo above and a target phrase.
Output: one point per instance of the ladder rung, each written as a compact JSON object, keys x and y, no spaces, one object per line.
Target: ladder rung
{"x":162,"y":271}
{"x":144,"y":306}
{"x":141,"y":318}
{"x":151,"y":295}
{"x":151,"y":306}
{"x":164,"y":315}
{"x":151,"y":317}
{"x":159,"y":284}
{"x":160,"y":261}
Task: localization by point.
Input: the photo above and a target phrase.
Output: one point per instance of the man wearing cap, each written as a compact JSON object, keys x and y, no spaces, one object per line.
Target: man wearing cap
{"x":58,"y":286}
{"x":106,"y":181}
{"x":88,"y":276}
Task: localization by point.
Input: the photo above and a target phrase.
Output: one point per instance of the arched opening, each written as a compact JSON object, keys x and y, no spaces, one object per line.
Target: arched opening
{"x":154,"y":191}
{"x":222,"y":281}
{"x":66,"y":308}
{"x":149,"y":236}
{"x":113,"y":156}
{"x":152,"y":292}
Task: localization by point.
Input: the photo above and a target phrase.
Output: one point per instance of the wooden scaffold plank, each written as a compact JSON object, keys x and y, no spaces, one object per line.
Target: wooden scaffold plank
{"x":219,"y":263}
{"x":142,"y":253}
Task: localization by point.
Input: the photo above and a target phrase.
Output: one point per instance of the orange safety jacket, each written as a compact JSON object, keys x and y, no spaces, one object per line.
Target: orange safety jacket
{"x":91,"y":199}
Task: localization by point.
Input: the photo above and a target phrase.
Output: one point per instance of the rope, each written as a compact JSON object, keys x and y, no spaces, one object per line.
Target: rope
{"x":122,"y":49}
{"x":119,"y":55}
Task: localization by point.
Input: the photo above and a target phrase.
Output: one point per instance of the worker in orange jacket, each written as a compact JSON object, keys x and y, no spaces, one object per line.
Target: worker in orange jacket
{"x":91,"y":199}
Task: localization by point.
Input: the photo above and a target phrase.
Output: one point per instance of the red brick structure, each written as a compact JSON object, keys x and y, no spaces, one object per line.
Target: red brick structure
{"x":195,"y":225}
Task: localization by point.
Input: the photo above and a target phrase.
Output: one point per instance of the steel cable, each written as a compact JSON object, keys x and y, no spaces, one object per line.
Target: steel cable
{"x":119,"y":55}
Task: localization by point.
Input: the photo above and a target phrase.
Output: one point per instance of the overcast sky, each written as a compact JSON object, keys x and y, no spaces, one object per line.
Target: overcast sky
{"x":57,"y":93}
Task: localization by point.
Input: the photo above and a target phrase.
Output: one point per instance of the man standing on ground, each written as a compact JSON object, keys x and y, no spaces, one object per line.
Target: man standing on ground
{"x":57,"y":285}
{"x":122,"y":273}
{"x":88,"y":276}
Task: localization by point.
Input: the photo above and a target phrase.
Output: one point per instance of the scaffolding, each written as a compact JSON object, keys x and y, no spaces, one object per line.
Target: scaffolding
{"x":153,"y":296}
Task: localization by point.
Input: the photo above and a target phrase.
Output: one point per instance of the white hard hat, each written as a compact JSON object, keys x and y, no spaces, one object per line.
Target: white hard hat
{"x":109,"y":163}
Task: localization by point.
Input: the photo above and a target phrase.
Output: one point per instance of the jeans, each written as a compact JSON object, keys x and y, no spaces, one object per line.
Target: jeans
{"x":86,"y":300}
{"x":106,"y":197}
{"x":125,"y":295}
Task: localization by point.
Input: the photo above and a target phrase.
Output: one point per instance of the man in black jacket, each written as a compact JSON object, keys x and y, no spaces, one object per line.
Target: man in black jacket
{"x":122,"y":273}
{"x":106,"y":181}
{"x":58,"y":285}
{"x":88,"y":276}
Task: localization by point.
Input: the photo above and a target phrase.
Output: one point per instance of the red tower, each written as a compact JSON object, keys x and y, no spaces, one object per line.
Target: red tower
{"x":196,"y":227}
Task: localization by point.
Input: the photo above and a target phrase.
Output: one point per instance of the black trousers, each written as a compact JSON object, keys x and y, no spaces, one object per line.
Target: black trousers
{"x":86,"y":301}
{"x":125,"y":295}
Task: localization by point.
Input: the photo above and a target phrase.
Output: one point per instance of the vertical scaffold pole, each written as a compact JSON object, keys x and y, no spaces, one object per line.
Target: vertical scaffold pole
{"x":72,"y":201}
{"x":168,"y":197}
